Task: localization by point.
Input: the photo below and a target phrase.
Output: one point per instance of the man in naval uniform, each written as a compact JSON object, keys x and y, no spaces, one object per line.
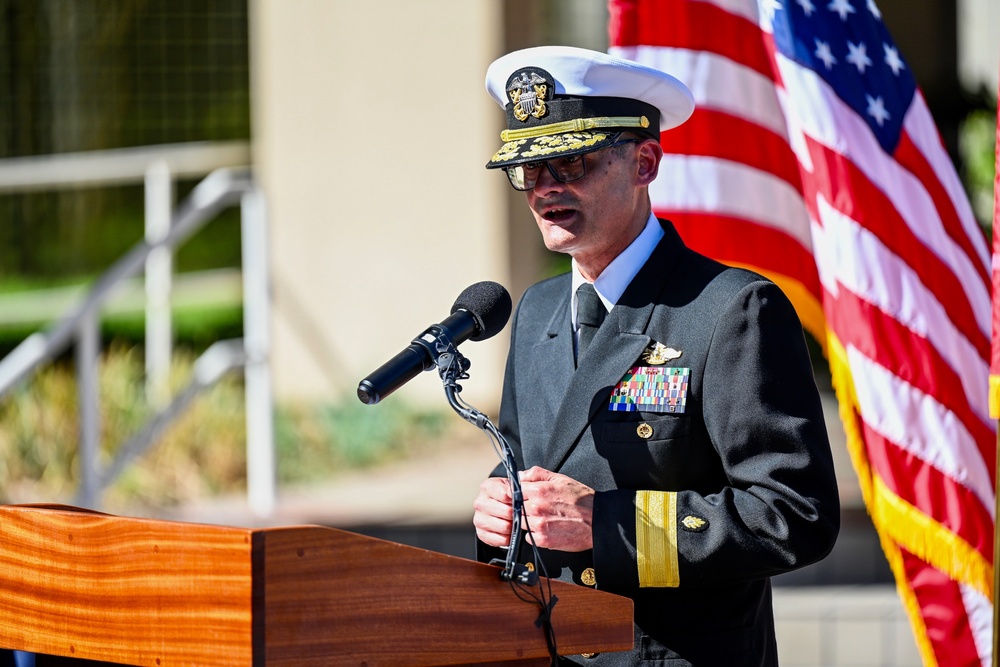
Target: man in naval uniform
{"x":661,"y":405}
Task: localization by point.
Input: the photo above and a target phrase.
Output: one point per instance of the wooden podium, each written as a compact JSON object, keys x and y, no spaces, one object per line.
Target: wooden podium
{"x":81,"y":584}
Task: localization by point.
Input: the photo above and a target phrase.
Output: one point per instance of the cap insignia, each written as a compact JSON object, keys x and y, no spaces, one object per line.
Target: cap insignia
{"x":528,"y":90}
{"x":658,"y":354}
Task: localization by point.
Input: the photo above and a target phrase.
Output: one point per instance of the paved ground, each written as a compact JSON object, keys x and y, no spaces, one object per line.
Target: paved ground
{"x":436,"y":489}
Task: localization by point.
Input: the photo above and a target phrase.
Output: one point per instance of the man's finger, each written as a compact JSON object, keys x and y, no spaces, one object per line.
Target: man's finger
{"x":535,"y":474}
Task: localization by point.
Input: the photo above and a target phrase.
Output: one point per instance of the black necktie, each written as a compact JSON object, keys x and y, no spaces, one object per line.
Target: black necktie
{"x":590,"y":312}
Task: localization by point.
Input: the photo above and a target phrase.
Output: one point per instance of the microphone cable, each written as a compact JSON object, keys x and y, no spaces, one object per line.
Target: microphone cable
{"x":452,"y":367}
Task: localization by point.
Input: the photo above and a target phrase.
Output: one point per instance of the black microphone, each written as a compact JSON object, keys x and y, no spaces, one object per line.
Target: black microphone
{"x":479,"y":312}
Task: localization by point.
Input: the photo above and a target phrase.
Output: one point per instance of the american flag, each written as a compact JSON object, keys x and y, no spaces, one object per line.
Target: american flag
{"x":813,"y":158}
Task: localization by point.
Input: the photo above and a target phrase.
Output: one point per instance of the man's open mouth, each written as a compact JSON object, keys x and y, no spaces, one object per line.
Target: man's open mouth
{"x":558,"y":214}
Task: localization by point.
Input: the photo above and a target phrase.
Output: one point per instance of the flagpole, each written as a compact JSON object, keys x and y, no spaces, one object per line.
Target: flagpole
{"x":993,"y":399}
{"x":996,"y":550}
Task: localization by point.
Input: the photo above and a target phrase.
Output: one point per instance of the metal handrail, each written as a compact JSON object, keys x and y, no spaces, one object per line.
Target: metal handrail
{"x":220,"y":189}
{"x":117,"y":166}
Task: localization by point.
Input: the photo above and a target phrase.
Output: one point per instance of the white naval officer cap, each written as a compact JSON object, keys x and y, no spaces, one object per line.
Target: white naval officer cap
{"x":563,"y":100}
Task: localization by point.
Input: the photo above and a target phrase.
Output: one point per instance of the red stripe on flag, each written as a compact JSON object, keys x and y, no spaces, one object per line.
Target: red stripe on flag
{"x":943,"y":611}
{"x":711,"y":133}
{"x":909,"y":356}
{"x":910,"y":157}
{"x":730,"y":36}
{"x":737,"y":241}
{"x":849,"y":191}
{"x":932,"y":492}
{"x":623,"y":23}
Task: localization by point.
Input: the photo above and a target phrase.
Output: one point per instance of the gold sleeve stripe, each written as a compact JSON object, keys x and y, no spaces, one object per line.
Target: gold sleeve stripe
{"x":576,"y":125}
{"x":656,"y":539}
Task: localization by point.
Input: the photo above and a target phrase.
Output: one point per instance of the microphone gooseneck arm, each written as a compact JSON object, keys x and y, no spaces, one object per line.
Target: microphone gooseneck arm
{"x":452,"y":367}
{"x":480,"y":312}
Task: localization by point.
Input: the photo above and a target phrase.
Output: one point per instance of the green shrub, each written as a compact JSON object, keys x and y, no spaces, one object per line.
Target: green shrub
{"x":203,"y":453}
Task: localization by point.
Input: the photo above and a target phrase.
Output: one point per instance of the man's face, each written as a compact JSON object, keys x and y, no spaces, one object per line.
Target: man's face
{"x":596,"y":217}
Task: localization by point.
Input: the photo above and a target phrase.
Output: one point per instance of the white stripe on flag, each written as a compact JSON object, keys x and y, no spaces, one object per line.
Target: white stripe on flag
{"x":721,"y":84}
{"x":850,"y":255}
{"x":747,"y":10}
{"x":980,"y":612}
{"x":919,"y":125}
{"x":839,"y":128}
{"x":919,"y":424}
{"x":707,"y":184}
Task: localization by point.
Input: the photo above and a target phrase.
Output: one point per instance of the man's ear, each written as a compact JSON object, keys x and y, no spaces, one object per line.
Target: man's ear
{"x":650,"y":153}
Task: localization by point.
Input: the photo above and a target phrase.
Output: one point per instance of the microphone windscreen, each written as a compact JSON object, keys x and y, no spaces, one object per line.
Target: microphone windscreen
{"x":489,"y":303}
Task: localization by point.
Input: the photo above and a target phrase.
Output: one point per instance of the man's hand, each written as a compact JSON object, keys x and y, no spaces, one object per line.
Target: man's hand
{"x":492,"y":518}
{"x":560,"y":510}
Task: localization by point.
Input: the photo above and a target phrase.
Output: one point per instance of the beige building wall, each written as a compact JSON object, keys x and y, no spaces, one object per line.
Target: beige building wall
{"x":979,"y":43}
{"x":371,"y":126}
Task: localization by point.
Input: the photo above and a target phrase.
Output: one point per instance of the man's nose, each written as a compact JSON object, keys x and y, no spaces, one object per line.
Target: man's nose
{"x":546,"y":182}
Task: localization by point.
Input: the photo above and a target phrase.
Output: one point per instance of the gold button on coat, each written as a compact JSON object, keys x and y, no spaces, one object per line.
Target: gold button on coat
{"x":644,"y":430}
{"x":587,"y":577}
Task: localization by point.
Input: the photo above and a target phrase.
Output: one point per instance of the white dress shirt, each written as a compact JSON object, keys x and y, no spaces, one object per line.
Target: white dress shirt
{"x":611,"y":284}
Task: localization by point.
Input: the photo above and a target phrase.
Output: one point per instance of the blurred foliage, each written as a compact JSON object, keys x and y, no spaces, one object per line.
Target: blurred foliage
{"x":70,"y":236}
{"x":82,"y":75}
{"x":86,"y":75}
{"x":194,"y":327}
{"x":977,"y":141}
{"x":203,"y":453}
{"x":315,"y":440}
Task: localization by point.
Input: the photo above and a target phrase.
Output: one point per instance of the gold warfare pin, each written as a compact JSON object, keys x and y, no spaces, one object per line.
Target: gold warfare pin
{"x":658,"y":354}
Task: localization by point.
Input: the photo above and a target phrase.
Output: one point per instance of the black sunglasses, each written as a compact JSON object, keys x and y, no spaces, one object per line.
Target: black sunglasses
{"x":567,"y":169}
